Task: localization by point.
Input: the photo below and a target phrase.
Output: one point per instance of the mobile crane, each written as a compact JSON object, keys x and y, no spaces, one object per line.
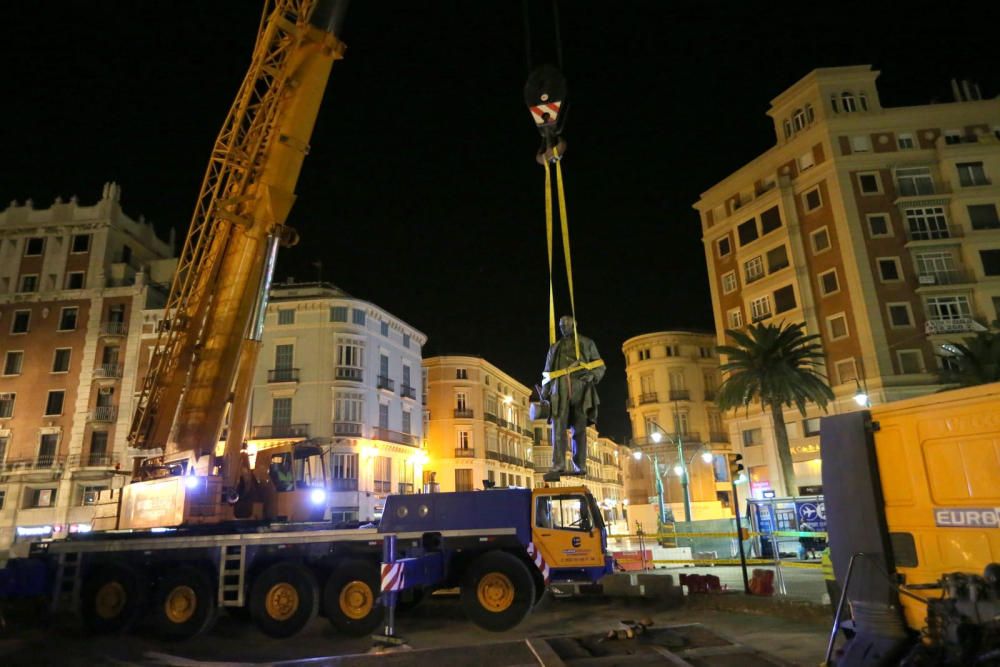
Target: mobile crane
{"x":197,"y":534}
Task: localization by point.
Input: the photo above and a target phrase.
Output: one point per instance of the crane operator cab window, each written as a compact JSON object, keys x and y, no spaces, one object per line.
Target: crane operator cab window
{"x":280,"y":471}
{"x":566,"y":512}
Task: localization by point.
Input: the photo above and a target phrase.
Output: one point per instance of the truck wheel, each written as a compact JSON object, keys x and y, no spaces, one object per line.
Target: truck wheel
{"x":183,"y":604}
{"x":284,"y":598}
{"x":350,"y":598}
{"x":498,"y":591}
{"x":112,"y":598}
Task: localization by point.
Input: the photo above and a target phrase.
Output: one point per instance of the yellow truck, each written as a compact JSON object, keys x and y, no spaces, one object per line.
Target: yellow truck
{"x":912,"y":492}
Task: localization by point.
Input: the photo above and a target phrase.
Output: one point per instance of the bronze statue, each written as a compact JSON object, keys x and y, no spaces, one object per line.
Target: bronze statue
{"x":573,"y":368}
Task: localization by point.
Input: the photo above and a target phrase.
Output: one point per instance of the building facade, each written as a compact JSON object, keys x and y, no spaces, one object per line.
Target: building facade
{"x":477,"y":424}
{"x":672,"y":379}
{"x":877,"y":227}
{"x":74,"y":281}
{"x":345,"y":373}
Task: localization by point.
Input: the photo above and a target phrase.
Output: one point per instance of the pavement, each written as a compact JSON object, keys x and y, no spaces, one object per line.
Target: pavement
{"x":800,"y":583}
{"x":437,"y":623}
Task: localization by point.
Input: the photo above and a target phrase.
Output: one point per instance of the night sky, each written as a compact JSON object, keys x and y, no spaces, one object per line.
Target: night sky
{"x":421,"y":193}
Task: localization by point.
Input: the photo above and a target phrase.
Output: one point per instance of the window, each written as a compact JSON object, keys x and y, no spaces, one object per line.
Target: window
{"x":847,"y":101}
{"x":60,"y":360}
{"x":461,"y":401}
{"x":888,"y":269}
{"x":837,"y":326}
{"x":810,"y":427}
{"x":991,"y":262}
{"x":54,"y":402}
{"x":799,"y":119}
{"x":463,"y":479}
{"x":777,"y":259}
{"x":784,"y":299}
{"x":952,"y":136}
{"x":869,"y":183}
{"x":12,"y":363}
{"x":936,"y":268}
{"x":753,"y":437}
{"x":461,"y":374}
{"x":806,"y":160}
{"x":670,"y":350}
{"x":904,"y":141}
{"x":463,"y":440}
{"x":126,"y":254}
{"x":7,"y":405}
{"x":74,"y":280}
{"x":43,"y":497}
{"x":927,"y":223}
{"x":820,"y":240}
{"x":861,"y":143}
{"x":383,"y":474}
{"x":878,"y":225}
{"x":770,"y":220}
{"x":787,"y":126}
{"x":286,"y":316}
{"x":407,"y":421}
{"x":900,"y":315}
{"x":21,"y":322}
{"x":81,"y":243}
{"x":864,"y":101}
{"x":828,"y":283}
{"x":67,"y":318}
{"x":406,"y":340}
{"x":563,"y":512}
{"x":29,"y":283}
{"x":3,"y":456}
{"x":281,"y":411}
{"x":704,"y":352}
{"x":383,"y":415}
{"x":735,"y":318}
{"x":384,"y":328}
{"x":947,"y":308}
{"x":910,"y":361}
{"x":760,"y":308}
{"x":98,"y":448}
{"x":644,"y":354}
{"x":747,"y":231}
{"x":338,"y":314}
{"x":810,"y":116}
{"x":971,"y":173}
{"x":358,"y":316}
{"x":723,"y":246}
{"x":834,"y":103}
{"x":914,"y":181}
{"x":753,"y":269}
{"x":348,"y":411}
{"x":728,"y":282}
{"x":283,"y":357}
{"x":984,"y":216}
{"x":34,"y":247}
{"x":349,"y":354}
{"x":847,"y":371}
{"x":812,"y":200}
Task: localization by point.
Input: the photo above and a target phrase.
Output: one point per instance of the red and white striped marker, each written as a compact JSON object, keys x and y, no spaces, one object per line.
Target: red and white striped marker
{"x":392,"y":577}
{"x":536,"y":555}
{"x":539,"y":113}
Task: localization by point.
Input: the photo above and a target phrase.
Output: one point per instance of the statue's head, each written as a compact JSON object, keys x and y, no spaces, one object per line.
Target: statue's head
{"x":567,"y":325}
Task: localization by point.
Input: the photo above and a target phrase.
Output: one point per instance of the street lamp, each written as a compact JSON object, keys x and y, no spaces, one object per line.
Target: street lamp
{"x":681,"y":469}
{"x":861,"y":396}
{"x":637,"y":455}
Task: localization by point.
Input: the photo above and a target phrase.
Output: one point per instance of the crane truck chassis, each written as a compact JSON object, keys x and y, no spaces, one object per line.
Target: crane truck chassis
{"x":500,"y":547}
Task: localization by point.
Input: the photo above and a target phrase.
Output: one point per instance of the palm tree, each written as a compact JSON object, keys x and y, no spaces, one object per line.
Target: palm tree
{"x":776,"y":364}
{"x":978,"y":359}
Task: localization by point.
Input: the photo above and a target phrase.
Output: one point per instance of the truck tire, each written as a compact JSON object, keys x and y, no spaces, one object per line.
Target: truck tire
{"x":112,"y":598}
{"x":498,"y":591}
{"x":183,"y":603}
{"x":350,"y":598}
{"x":284,"y":598}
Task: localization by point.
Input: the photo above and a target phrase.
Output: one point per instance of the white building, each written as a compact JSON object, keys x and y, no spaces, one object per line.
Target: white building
{"x":345,"y":373}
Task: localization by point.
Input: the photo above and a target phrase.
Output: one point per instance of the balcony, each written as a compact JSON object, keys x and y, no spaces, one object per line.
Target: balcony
{"x":50,"y":462}
{"x":283,"y":375}
{"x":406,"y":391}
{"x":465,"y":453}
{"x":271,"y":431}
{"x":951,"y":325}
{"x":387,"y":435}
{"x":343,"y":484}
{"x":103,"y":414}
{"x":351,"y":373}
{"x":647,"y":398}
{"x":348,"y":428}
{"x":108,"y":371}
{"x":506,"y":458}
{"x":404,"y":488}
{"x":114,"y":329}
{"x":492,"y":456}
{"x":939,"y":233}
{"x":668,"y":440}
{"x":680,"y":395}
{"x":383,"y":382}
{"x":952,"y":277}
{"x":463,"y":413}
{"x":719,"y":437}
{"x":383,"y":486}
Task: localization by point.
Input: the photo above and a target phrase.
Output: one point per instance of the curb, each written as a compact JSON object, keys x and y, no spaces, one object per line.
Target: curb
{"x":783,"y":607}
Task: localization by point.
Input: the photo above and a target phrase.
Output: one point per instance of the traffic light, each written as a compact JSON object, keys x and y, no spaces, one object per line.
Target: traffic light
{"x":735,"y":466}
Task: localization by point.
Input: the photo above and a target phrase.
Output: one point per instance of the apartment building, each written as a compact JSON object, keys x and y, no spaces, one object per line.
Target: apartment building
{"x":74,"y":280}
{"x":477,"y":424}
{"x":877,"y":227}
{"x":607,"y":466}
{"x":345,"y":373}
{"x":672,"y":378}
